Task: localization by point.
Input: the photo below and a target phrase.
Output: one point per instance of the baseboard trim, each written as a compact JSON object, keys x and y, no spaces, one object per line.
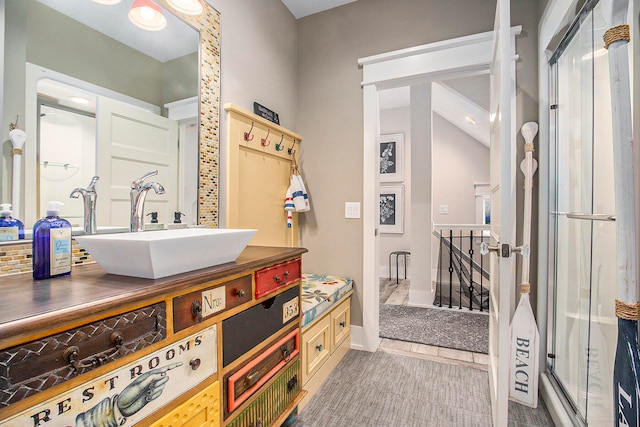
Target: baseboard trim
{"x":554,"y":405}
{"x":357,"y":338}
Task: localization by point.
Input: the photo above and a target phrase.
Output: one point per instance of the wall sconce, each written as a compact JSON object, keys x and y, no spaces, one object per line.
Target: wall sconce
{"x":187,"y":7}
{"x":147,"y":15}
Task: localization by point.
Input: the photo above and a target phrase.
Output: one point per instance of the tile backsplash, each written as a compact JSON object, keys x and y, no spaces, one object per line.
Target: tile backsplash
{"x":16,"y":258}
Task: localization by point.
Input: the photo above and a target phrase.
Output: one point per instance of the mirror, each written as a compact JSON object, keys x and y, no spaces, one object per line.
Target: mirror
{"x":49,"y":54}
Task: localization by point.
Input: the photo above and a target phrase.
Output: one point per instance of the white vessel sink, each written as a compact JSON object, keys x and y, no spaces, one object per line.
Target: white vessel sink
{"x":161,"y":253}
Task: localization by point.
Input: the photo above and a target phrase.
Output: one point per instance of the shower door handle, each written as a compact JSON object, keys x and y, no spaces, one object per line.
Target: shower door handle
{"x":591,"y":217}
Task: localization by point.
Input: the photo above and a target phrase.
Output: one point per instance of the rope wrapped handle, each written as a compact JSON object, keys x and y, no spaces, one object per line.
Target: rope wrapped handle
{"x":627,"y":311}
{"x":617,"y":33}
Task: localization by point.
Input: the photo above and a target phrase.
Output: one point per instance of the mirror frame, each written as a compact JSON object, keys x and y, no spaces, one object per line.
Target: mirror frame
{"x":208,"y":26}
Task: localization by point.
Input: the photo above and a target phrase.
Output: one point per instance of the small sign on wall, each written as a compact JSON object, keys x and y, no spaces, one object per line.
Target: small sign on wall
{"x":266,"y":113}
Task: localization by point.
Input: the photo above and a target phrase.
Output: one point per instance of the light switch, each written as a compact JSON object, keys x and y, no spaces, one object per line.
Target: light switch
{"x":444,"y":209}
{"x":352,"y":210}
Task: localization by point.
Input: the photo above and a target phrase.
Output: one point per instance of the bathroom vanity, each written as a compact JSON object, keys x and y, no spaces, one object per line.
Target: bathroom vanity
{"x":217,"y":346}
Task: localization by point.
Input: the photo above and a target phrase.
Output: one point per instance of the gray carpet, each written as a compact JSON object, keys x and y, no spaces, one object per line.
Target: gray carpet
{"x":382,"y":389}
{"x":459,"y":329}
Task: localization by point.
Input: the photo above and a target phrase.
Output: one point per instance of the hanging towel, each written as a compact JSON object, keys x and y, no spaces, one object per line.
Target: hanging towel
{"x":307,"y":206}
{"x":299,"y":192}
{"x":289,"y":207}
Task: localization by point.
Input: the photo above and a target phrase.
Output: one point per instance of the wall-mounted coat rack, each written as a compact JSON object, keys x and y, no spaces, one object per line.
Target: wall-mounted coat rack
{"x":258,"y":176}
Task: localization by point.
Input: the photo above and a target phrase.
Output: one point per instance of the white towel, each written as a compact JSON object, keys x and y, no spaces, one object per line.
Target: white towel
{"x":299,"y":192}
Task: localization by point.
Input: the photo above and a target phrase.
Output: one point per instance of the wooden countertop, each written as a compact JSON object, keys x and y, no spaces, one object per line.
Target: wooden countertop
{"x":27,"y":305}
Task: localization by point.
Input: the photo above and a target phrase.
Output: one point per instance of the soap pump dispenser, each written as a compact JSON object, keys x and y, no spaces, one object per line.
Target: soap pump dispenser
{"x":51,"y":245}
{"x":10,"y":228}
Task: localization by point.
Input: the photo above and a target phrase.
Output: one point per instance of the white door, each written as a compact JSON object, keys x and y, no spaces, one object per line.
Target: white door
{"x":132,"y":142}
{"x":503,"y":213}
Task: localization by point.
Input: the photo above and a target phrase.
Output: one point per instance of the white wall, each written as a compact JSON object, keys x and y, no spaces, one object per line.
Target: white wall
{"x":398,"y":120}
{"x":459,"y":161}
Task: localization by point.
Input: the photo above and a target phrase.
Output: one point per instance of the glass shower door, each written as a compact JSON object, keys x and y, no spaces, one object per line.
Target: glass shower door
{"x":583,"y":273}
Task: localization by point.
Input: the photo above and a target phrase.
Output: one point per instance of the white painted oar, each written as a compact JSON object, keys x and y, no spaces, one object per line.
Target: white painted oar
{"x":626,"y":392}
{"x":17,"y":137}
{"x":523,"y":374}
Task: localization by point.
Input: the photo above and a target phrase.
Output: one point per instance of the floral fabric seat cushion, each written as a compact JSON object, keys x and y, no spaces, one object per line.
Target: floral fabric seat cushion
{"x":320,"y":292}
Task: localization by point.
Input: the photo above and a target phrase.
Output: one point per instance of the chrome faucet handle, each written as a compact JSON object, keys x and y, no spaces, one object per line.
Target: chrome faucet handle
{"x":92,"y":185}
{"x":136,"y":184}
{"x":91,"y":189}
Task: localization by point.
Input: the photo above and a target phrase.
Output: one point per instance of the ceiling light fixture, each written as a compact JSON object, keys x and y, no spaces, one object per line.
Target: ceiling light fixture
{"x":79,"y":100}
{"x":188,"y":7}
{"x":470,"y":120}
{"x":147,"y":15}
{"x":107,"y":2}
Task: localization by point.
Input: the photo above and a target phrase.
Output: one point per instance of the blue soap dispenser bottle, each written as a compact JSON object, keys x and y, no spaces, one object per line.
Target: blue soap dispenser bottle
{"x":10,"y":228}
{"x":51,"y":245}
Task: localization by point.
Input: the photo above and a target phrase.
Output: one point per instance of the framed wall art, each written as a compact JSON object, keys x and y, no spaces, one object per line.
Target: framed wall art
{"x":391,"y":208}
{"x":391,"y":157}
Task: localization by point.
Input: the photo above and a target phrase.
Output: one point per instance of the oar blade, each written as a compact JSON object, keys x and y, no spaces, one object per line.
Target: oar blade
{"x":523,"y":375}
{"x":626,"y":378}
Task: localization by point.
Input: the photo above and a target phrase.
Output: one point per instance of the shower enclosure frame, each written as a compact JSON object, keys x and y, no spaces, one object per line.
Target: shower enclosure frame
{"x":580,"y":328}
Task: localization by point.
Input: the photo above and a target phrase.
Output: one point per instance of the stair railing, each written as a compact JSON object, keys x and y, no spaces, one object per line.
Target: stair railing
{"x":457,"y":253}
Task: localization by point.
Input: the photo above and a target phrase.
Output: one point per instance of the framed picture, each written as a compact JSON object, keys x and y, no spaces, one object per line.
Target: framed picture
{"x":391,"y":157}
{"x":391,"y":208}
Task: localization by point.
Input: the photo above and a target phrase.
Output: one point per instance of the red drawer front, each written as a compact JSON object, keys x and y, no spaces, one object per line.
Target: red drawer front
{"x":278,"y":276}
{"x":192,"y":308}
{"x":243,"y":383}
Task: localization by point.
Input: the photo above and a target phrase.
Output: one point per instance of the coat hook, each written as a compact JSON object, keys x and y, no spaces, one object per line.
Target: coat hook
{"x":290,"y":150}
{"x":279,"y":146}
{"x":263,"y":141}
{"x":248,"y":134}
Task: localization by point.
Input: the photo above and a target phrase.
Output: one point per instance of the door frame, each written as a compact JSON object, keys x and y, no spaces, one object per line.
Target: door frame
{"x":454,"y":57}
{"x":34,"y":73}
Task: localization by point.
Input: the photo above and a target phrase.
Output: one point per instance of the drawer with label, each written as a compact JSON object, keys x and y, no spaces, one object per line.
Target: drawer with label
{"x":277,"y":276}
{"x":247,"y":329}
{"x":129,"y":393}
{"x":192,"y":308}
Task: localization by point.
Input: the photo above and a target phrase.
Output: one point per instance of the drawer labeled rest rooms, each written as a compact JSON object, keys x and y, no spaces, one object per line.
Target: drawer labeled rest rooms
{"x":129,"y":393}
{"x":247,"y":329}
{"x":270,"y":279}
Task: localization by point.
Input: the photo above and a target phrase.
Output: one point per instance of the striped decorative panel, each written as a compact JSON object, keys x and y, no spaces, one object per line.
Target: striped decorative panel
{"x":265,"y":408}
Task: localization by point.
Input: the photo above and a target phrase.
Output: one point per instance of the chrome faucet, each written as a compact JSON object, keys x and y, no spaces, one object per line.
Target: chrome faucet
{"x":90,"y":197}
{"x":138,"y":195}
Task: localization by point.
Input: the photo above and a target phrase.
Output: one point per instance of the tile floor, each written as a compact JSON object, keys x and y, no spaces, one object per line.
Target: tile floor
{"x":399,"y":294}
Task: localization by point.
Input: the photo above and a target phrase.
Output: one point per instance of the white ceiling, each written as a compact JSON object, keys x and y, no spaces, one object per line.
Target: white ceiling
{"x":302,"y":8}
{"x":448,"y":103}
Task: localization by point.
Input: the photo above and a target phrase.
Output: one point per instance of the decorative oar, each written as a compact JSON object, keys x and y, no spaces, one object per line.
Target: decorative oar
{"x":523,"y":375}
{"x":627,"y":361}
